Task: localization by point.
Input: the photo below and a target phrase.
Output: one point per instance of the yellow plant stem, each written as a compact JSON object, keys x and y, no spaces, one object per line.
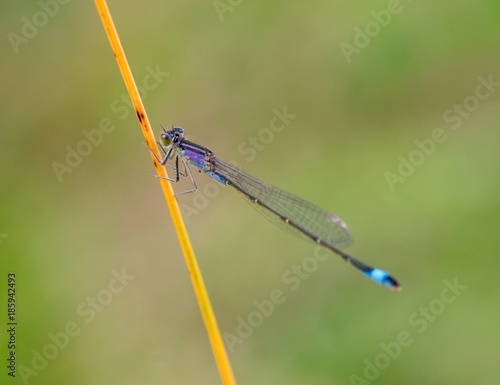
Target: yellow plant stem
{"x":216,"y":341}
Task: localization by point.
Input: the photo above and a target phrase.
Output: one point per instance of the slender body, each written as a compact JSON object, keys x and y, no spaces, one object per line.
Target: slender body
{"x":284,"y":209}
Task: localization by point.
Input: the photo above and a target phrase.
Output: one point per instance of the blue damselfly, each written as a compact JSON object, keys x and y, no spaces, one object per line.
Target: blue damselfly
{"x":284,"y":209}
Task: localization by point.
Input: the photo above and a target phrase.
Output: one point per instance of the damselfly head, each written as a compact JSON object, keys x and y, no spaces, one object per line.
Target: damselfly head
{"x":174,"y":136}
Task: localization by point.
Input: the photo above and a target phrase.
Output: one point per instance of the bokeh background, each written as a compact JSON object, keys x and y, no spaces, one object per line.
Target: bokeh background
{"x":230,"y":65}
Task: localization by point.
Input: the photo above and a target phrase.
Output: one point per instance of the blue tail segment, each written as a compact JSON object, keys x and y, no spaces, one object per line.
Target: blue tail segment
{"x":384,"y":278}
{"x":380,"y":276}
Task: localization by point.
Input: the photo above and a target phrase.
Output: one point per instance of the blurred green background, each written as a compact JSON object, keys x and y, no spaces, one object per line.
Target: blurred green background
{"x":357,"y":117}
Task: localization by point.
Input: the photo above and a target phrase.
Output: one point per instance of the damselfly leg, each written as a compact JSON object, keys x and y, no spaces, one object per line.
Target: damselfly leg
{"x":178,"y":173}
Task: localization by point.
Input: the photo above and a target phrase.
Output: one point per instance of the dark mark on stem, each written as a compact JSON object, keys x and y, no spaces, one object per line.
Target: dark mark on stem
{"x":140,"y":116}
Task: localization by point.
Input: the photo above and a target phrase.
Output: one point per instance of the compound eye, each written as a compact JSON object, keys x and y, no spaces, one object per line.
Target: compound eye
{"x":165,"y":139}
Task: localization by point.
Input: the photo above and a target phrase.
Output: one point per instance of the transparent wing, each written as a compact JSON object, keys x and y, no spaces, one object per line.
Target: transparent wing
{"x":313,"y":219}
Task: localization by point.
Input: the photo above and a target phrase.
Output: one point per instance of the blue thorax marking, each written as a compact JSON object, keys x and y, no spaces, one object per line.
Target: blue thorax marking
{"x":199,"y":157}
{"x":195,"y":154}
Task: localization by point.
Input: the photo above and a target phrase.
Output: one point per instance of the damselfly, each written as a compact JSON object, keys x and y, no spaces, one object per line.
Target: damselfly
{"x":284,"y":209}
